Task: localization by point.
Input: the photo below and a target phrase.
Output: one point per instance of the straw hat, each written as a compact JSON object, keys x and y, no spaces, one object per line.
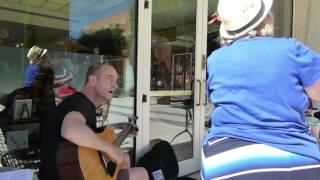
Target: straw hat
{"x":238,"y":17}
{"x":35,"y":53}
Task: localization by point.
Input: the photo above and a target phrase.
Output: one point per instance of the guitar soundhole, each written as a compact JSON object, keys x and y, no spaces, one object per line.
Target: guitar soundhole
{"x":111,"y":168}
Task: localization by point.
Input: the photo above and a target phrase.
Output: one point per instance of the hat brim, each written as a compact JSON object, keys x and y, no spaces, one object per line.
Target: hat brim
{"x":35,"y":61}
{"x":224,"y":33}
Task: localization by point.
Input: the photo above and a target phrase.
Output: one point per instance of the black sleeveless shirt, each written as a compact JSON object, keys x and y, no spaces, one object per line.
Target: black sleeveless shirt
{"x":77,"y":102}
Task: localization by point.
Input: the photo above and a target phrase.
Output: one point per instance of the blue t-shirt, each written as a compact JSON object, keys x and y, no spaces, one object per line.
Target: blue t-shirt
{"x":257,"y":86}
{"x":30,"y":74}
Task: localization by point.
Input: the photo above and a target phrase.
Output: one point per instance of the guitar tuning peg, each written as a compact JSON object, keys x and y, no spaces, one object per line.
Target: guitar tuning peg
{"x":132,"y":118}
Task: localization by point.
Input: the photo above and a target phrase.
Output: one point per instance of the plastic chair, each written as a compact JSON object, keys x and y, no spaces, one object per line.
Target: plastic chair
{"x":3,"y":145}
{"x":28,"y":158}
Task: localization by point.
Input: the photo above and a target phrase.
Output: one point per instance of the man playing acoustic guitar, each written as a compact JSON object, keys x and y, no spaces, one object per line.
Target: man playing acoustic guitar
{"x":76,"y":123}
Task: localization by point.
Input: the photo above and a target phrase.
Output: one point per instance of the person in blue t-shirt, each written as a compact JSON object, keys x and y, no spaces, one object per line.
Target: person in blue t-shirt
{"x":259,"y":85}
{"x":37,"y":59}
{"x":35,"y":56}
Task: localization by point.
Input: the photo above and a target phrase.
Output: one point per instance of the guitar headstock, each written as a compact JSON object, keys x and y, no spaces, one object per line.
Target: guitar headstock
{"x":133,"y":121}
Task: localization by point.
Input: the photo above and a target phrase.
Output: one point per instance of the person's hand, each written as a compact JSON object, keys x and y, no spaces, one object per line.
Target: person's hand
{"x":315,"y":131}
{"x":134,"y":131}
{"x":71,"y":76}
{"x":116,"y":154}
{"x":308,"y":112}
{"x":121,"y":126}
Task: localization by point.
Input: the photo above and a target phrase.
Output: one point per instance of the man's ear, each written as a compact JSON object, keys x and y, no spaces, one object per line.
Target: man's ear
{"x":93,"y":80}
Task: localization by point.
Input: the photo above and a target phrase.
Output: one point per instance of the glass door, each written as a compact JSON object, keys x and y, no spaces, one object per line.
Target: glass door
{"x":173,"y":37}
{"x":171,"y":83}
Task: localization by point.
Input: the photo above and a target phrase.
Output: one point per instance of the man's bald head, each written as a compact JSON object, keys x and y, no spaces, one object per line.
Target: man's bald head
{"x":95,"y":69}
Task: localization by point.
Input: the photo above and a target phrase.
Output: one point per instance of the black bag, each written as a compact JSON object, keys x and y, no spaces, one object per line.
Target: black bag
{"x":160,"y":162}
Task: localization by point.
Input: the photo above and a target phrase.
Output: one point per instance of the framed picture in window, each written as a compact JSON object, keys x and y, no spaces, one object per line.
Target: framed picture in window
{"x":22,"y":110}
{"x":17,"y":139}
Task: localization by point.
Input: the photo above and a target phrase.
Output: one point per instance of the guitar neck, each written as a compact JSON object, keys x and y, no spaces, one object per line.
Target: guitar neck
{"x":123,"y":135}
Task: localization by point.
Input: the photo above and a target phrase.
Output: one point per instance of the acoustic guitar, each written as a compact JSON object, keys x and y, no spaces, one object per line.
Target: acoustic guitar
{"x":77,"y":162}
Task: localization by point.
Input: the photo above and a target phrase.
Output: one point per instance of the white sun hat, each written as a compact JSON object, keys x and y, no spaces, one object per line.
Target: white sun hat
{"x":238,"y":17}
{"x":35,"y":53}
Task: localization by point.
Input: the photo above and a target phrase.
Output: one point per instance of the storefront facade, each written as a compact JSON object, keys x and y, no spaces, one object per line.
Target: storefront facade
{"x":159,"y":48}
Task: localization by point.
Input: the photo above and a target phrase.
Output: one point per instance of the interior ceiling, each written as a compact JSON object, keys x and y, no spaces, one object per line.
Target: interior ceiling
{"x":55,"y":5}
{"x":162,"y":9}
{"x":81,"y":6}
{"x":51,"y":17}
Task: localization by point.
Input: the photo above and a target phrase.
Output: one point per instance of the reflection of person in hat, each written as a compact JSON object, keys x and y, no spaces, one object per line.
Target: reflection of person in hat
{"x":35,"y":56}
{"x":43,"y":101}
{"x":259,"y":85}
{"x":41,"y":87}
{"x":38,"y":59}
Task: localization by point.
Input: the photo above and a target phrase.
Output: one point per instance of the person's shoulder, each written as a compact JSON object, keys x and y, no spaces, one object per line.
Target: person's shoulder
{"x":34,"y":66}
{"x":263,"y":40}
{"x":76,"y":98}
{"x":295,"y":42}
{"x":19,"y":93}
{"x":76,"y":102}
{"x":219,"y":53}
{"x":283,"y":40}
{"x":281,"y":43}
{"x":292,"y":44}
{"x":22,"y":91}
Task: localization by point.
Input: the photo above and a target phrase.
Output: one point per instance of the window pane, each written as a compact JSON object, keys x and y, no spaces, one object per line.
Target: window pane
{"x":77,"y":34}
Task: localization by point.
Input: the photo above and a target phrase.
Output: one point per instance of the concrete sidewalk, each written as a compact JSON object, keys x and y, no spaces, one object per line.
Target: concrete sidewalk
{"x":165,"y":121}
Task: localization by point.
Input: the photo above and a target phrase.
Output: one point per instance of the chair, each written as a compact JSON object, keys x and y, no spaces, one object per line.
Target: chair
{"x":3,"y":145}
{"x":27,"y":158}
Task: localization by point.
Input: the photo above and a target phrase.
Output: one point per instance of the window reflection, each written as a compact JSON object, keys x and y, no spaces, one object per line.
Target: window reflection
{"x":172,"y":74}
{"x":77,"y":34}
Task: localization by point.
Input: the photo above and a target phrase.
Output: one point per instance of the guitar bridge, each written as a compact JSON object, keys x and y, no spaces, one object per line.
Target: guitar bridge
{"x":109,"y":167}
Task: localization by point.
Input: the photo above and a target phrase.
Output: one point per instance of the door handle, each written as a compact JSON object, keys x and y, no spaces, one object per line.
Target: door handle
{"x":144,"y":98}
{"x":205,"y":93}
{"x":199,"y":97}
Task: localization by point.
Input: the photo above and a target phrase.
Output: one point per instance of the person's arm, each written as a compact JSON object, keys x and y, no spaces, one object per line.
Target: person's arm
{"x":75,"y":130}
{"x":314,"y":91}
{"x":61,"y":76}
{"x":63,"y":81}
{"x":315,"y":132}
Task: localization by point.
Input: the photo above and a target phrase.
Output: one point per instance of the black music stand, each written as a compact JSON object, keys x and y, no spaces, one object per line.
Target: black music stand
{"x":187,"y":105}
